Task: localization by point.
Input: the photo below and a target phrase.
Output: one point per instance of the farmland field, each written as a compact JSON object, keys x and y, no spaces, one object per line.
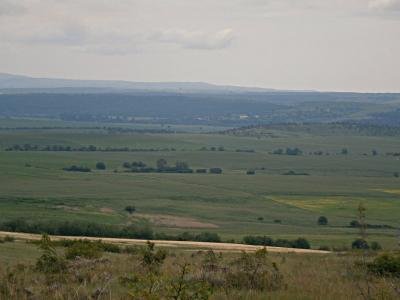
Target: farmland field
{"x":34,"y":186}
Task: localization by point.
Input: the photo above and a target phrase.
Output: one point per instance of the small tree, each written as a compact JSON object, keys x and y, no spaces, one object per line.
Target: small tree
{"x":100,"y":166}
{"x":49,"y":261}
{"x":345,"y":151}
{"x":130,"y":209}
{"x":322,"y":220}
{"x":360,"y":244}
{"x":361,"y":220}
{"x":376,"y":246}
{"x":396,"y":174}
{"x":216,"y":171}
{"x":181,"y":165}
{"x":161,"y":164}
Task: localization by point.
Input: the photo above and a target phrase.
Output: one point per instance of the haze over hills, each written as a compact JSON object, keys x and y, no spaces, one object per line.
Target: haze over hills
{"x":13,"y":82}
{"x":187,"y":103}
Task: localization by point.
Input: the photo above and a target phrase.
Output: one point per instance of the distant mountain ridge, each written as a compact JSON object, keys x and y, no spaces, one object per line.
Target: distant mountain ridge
{"x":11,"y":81}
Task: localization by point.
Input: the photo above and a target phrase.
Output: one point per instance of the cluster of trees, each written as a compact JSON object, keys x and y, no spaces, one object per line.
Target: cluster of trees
{"x":293,"y":173}
{"x":138,"y":231}
{"x":222,"y":148}
{"x":90,"y":148}
{"x":163,"y":167}
{"x":357,"y":224}
{"x":219,"y":148}
{"x":188,"y":236}
{"x":362,"y":244}
{"x":288,"y":151}
{"x":75,"y":168}
{"x":300,"y":243}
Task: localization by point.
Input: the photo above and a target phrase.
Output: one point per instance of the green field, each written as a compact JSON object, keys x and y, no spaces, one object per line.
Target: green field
{"x":34,"y":186}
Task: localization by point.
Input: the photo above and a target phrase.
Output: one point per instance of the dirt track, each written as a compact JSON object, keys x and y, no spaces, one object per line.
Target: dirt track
{"x":160,"y":243}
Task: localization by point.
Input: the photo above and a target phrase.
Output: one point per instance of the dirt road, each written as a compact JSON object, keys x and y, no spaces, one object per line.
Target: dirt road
{"x":172,"y":244}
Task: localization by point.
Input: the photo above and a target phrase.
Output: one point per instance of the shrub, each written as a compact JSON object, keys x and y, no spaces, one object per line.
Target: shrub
{"x":386,"y":265}
{"x":301,"y":243}
{"x":254,"y":272}
{"x":375,"y":246}
{"x":283,"y":243}
{"x":9,"y":238}
{"x":216,"y":171}
{"x":100,"y":166}
{"x":354,"y":223}
{"x":360,"y":244}
{"x":208,"y":237}
{"x":84,"y":249}
{"x":324,"y":248}
{"x":250,"y":172}
{"x":74,"y":168}
{"x":396,"y":174}
{"x":130,"y":209}
{"x":201,"y":171}
{"x":322,"y":220}
{"x":49,"y":261}
{"x":258,"y":240}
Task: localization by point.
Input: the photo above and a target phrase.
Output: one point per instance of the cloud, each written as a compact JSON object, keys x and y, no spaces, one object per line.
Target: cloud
{"x":80,"y":37}
{"x":195,"y":39}
{"x":385,"y":5}
{"x":10,"y":8}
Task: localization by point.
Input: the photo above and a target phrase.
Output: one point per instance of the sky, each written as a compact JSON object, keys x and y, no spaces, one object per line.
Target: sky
{"x":327,"y":45}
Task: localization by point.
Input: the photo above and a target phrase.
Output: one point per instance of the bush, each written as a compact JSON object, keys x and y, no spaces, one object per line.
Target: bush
{"x":386,"y":265}
{"x":127,"y":165}
{"x":84,"y":249}
{"x":130,"y":209}
{"x":74,"y":168}
{"x":208,"y":237}
{"x":201,"y":171}
{"x":301,"y":243}
{"x":216,"y":171}
{"x":254,"y":272}
{"x":49,"y":261}
{"x":376,"y":246}
{"x":250,"y":172}
{"x":355,"y":223}
{"x":100,"y":166}
{"x":324,"y":248}
{"x":9,"y":239}
{"x":258,"y":240}
{"x":322,"y":220}
{"x":396,"y":174}
{"x":360,"y":244}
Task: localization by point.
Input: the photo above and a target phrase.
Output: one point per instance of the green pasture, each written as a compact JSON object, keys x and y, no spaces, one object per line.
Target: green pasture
{"x":34,"y":186}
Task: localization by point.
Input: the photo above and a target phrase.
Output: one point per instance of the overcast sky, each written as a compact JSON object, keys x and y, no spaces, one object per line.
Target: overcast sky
{"x":342,"y":45}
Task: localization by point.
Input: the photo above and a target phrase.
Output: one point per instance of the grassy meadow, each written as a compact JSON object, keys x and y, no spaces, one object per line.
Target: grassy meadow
{"x":233,"y":204}
{"x":121,"y":272}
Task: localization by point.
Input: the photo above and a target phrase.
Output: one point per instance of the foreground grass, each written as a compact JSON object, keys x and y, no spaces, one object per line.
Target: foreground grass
{"x":148,"y":273}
